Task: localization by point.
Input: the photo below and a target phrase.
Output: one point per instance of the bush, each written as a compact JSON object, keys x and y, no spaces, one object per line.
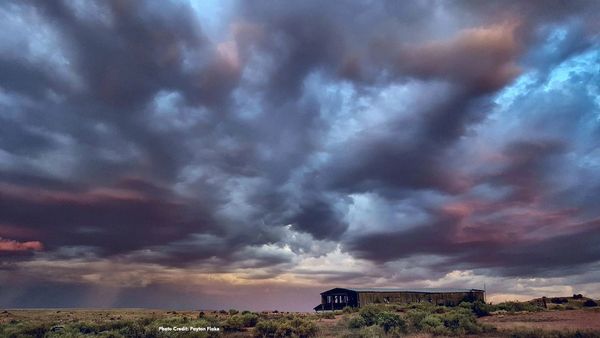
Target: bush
{"x":371,"y":331}
{"x":35,"y":330}
{"x":87,"y":328}
{"x":431,"y":321}
{"x":437,"y":320}
{"x":266,"y":328}
{"x":138,"y":330}
{"x":590,"y":303}
{"x":391,"y":321}
{"x":415,"y":319}
{"x":370,"y":316}
{"x":284,"y":329}
{"x":249,"y":319}
{"x":481,"y":309}
{"x":297,"y":327}
{"x":443,"y":320}
{"x":357,"y":322}
{"x":369,"y":313}
{"x":348,"y":309}
{"x":518,"y":307}
{"x":304,"y":328}
{"x":234,"y":323}
{"x":233,"y":312}
{"x":461,"y":322}
{"x":434,"y":324}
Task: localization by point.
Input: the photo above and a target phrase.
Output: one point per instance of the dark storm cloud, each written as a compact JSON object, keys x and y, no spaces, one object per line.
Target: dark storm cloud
{"x":318,"y":219}
{"x":24,"y":78}
{"x":112,"y":221}
{"x":434,"y":238}
{"x":499,"y":234}
{"x":157,"y":133}
{"x":415,"y":163}
{"x":528,"y":163}
{"x":138,"y":53}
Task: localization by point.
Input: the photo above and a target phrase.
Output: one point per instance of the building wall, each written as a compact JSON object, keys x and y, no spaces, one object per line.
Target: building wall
{"x":447,"y":298}
{"x":339,"y":298}
{"x":345,"y":298}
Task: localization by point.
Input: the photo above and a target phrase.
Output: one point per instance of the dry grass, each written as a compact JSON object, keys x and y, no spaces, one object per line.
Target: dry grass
{"x":144,"y":323}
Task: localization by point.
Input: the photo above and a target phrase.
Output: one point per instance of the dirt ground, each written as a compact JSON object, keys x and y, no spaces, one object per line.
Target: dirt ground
{"x":551,"y":320}
{"x":571,"y":320}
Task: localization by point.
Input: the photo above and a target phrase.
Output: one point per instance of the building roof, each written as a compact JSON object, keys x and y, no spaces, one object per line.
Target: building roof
{"x":421,"y":290}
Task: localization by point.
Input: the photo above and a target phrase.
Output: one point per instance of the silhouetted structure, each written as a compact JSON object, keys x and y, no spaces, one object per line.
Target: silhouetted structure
{"x":338,"y":298}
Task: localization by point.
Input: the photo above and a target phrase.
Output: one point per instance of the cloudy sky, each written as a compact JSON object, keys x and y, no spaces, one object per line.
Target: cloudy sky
{"x":219,"y":154}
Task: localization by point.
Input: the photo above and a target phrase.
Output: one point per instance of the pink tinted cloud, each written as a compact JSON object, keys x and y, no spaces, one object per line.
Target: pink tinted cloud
{"x":17,"y":232}
{"x":12,"y":245}
{"x":485,"y":56}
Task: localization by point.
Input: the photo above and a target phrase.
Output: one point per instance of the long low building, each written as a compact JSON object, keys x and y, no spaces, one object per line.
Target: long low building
{"x":338,"y":298}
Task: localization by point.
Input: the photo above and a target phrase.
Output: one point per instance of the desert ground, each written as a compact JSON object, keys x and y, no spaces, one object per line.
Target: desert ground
{"x":547,"y":320}
{"x":511,"y":319}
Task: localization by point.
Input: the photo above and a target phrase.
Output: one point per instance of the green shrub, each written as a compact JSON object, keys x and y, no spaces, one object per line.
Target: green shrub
{"x":369,"y":313}
{"x":304,"y":328}
{"x":34,"y":330}
{"x":371,"y":331}
{"x":370,"y":316}
{"x":415,"y":318}
{"x":481,"y":309}
{"x":87,"y":328}
{"x":297,"y":327}
{"x":357,"y":322}
{"x":249,"y":319}
{"x":423,"y":306}
{"x":349,"y":309}
{"x":461,"y":321}
{"x":284,"y":329}
{"x":431,"y":322}
{"x":233,"y":312}
{"x":390,"y":321}
{"x":308,"y":329}
{"x":117,"y":325}
{"x":234,"y":323}
{"x":137,"y":329}
{"x":265,"y":328}
{"x":518,"y":307}
{"x":590,"y":303}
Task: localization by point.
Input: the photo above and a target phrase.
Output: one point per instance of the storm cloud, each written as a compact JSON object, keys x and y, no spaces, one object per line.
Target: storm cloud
{"x":258,"y":143}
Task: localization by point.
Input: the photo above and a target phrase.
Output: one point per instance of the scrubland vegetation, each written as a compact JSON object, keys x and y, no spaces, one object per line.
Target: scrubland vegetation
{"x":380,"y":320}
{"x":228,"y":323}
{"x":397,"y":320}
